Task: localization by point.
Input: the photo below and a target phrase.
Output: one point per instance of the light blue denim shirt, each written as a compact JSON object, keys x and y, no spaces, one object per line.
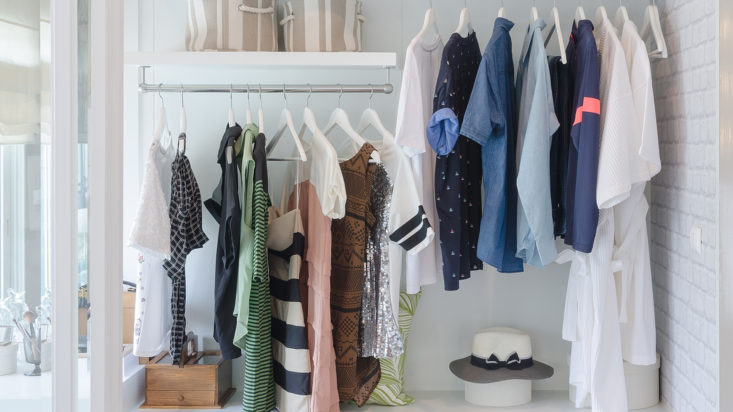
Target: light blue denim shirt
{"x":490,"y":120}
{"x":536,"y":125}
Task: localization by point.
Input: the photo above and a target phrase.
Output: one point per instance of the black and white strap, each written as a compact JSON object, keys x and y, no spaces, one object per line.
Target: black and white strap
{"x":512,"y":362}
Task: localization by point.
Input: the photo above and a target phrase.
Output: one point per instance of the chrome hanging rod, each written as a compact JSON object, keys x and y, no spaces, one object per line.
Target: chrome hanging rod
{"x":265,"y":88}
{"x":145,"y":87}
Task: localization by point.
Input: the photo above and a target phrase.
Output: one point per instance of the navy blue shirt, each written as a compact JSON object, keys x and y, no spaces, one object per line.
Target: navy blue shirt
{"x":490,"y":121}
{"x":562,"y":94}
{"x":458,"y":164}
{"x":582,"y":208}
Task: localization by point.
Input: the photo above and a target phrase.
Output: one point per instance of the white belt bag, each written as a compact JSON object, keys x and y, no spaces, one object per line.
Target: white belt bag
{"x":249,"y":25}
{"x":322,"y":25}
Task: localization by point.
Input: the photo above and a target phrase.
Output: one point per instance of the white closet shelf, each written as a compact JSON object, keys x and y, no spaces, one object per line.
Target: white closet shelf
{"x":545,"y":401}
{"x":264,"y":59}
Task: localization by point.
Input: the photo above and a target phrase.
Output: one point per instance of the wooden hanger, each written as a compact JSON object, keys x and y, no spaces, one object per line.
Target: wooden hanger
{"x":464,"y":22}
{"x":286,"y":124}
{"x":557,"y":30}
{"x":430,"y":24}
{"x":652,"y":24}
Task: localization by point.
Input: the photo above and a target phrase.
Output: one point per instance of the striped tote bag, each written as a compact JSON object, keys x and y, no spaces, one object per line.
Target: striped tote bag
{"x":322,"y":25}
{"x":231,"y":25}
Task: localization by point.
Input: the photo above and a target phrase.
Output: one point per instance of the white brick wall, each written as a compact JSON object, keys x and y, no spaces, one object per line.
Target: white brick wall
{"x":683,"y":195}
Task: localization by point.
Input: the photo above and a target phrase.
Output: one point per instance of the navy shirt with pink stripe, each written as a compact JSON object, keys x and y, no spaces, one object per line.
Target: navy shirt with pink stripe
{"x":582,"y":208}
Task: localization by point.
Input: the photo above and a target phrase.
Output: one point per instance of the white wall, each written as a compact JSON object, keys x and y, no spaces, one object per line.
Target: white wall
{"x":445,"y":321}
{"x":683,"y":196}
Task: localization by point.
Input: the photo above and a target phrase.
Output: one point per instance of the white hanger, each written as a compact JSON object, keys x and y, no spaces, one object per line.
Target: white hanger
{"x":557,"y":30}
{"x":464,"y":22}
{"x":261,"y":115}
{"x":652,"y":22}
{"x":286,"y":123}
{"x":534,"y":15}
{"x":309,"y":118}
{"x":341,"y":119}
{"x":232,"y":123}
{"x":162,"y":123}
{"x":429,"y":24}
{"x":601,"y":16}
{"x":622,"y":16}
{"x":580,"y":12}
{"x":182,"y":124}
{"x":249,"y":108}
{"x":370,"y":117}
{"x":501,"y":9}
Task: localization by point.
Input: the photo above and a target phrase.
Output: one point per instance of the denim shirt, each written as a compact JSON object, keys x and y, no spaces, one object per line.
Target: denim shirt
{"x":537,"y":123}
{"x":490,"y":121}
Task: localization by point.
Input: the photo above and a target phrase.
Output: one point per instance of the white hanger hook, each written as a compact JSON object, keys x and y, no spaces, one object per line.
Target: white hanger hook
{"x":371,"y":95}
{"x":308,"y":99}
{"x":341,"y":93}
{"x":182,"y":95}
{"x":230,"y":95}
{"x":249,"y":102}
{"x":285,"y":96}
{"x":260,"y":95}
{"x":162,"y":102}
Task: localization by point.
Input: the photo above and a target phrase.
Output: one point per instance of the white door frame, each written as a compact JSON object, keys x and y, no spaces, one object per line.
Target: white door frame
{"x":63,"y":203}
{"x":105,"y":202}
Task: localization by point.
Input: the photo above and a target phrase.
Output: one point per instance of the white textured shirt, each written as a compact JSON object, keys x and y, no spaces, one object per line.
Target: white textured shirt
{"x":422,"y":64}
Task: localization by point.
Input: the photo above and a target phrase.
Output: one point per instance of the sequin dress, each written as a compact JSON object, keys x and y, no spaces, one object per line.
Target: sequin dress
{"x":379,"y":335}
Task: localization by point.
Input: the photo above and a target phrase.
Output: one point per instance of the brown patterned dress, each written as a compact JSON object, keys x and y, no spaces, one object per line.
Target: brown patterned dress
{"x":357,"y":377}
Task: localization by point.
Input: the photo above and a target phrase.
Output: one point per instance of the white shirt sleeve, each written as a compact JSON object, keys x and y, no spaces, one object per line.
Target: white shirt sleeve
{"x":326,"y":177}
{"x":618,"y":127}
{"x":411,"y":121}
{"x":151,"y":229}
{"x":408,"y":224}
{"x":640,"y":75}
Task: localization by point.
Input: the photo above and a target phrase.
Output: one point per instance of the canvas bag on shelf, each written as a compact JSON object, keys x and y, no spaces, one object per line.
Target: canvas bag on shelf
{"x":322,"y":25}
{"x":249,"y":25}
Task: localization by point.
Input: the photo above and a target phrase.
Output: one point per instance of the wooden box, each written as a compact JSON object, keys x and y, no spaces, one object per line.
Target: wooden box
{"x":128,"y":316}
{"x":203,"y":380}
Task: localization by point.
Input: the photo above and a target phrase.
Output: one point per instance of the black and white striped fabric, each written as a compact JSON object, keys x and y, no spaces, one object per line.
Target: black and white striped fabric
{"x":186,"y":235}
{"x":413,"y":233}
{"x":291,"y":358}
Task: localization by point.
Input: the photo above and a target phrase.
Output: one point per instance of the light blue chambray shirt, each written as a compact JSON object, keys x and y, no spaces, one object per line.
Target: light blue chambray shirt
{"x":536,"y":125}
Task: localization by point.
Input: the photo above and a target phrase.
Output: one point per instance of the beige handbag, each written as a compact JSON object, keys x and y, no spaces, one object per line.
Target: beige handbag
{"x":322,"y":25}
{"x":249,"y":25}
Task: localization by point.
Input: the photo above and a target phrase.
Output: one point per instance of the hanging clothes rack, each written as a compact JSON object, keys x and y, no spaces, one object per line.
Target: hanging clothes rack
{"x":145,"y":87}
